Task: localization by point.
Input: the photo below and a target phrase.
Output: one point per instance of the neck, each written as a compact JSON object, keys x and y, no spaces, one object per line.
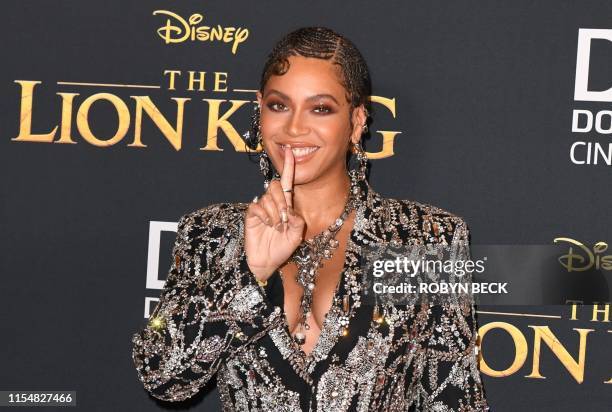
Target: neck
{"x":322,"y":201}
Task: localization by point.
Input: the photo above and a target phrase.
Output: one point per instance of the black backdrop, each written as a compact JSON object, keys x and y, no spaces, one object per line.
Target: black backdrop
{"x":483,"y":93}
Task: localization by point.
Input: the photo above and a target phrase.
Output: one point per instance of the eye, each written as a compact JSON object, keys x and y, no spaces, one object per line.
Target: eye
{"x":276,"y":107}
{"x":322,"y":109}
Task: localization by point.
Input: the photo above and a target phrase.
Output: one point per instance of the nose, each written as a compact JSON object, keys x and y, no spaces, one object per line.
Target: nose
{"x":296,"y":125}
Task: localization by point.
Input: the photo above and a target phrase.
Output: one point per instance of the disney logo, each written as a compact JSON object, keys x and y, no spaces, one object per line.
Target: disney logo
{"x":579,"y":262}
{"x":178,"y":30}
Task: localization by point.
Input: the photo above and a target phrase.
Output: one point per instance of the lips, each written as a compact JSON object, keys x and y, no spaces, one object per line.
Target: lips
{"x":301,"y":151}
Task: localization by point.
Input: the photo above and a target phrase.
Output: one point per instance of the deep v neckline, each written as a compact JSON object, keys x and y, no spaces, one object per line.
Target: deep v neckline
{"x":349,"y":283}
{"x":336,"y":300}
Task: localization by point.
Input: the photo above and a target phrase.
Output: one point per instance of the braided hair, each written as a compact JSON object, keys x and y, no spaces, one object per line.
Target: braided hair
{"x":323,"y":43}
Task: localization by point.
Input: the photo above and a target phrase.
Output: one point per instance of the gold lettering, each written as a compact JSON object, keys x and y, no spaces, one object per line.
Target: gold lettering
{"x":215,"y":123}
{"x":605,"y":311}
{"x":386,"y":102}
{"x":574,"y":307}
{"x":165,"y":32}
{"x":25,"y":116}
{"x":122,"y":125}
{"x":610,"y":380}
{"x":576,"y":369}
{"x":603,"y":262}
{"x":66,"y":130}
{"x":388,"y":137}
{"x":387,"y":146}
{"x":594,"y":259}
{"x":567,"y":261}
{"x":184,"y":30}
{"x":172,"y":73}
{"x":219,"y":81}
{"x":229,"y":34}
{"x":200,"y":81}
{"x":240,"y":37}
{"x":520,"y":349}
{"x":173,"y":135}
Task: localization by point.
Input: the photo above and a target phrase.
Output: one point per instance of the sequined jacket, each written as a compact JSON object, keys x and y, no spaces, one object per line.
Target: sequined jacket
{"x":214,"y":318}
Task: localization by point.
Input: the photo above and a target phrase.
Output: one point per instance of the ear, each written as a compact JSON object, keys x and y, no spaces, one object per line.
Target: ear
{"x":259,"y":97}
{"x":359,"y":119}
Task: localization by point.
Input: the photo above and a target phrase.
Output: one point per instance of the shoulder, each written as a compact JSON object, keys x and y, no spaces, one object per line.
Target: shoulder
{"x":215,"y":213}
{"x":427,"y":221}
{"x":212,"y":220}
{"x":211,"y":235}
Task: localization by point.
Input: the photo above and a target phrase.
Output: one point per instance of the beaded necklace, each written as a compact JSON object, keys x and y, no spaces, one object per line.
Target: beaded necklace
{"x":308,"y":258}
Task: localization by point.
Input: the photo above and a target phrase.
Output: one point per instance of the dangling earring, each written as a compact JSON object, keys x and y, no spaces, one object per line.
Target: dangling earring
{"x":253,"y":139}
{"x":362,"y":158}
{"x":365,"y":124}
{"x":265,"y":166}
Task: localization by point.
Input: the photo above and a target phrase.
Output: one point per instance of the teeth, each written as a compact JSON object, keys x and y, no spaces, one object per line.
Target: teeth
{"x":303,"y":151}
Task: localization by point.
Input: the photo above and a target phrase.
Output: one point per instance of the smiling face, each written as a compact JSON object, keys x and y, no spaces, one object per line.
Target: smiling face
{"x":307,"y":108}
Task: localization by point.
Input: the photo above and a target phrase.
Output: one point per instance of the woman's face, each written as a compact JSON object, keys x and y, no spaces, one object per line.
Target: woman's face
{"x":307,"y":109}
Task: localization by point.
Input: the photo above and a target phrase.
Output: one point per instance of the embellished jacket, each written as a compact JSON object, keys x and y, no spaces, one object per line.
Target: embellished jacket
{"x":214,"y":318}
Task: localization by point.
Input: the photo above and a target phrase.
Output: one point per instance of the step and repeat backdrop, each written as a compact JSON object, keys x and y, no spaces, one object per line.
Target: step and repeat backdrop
{"x":118,"y":117}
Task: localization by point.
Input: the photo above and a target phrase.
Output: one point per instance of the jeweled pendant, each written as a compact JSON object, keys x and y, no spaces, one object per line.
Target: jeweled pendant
{"x":263,"y":165}
{"x":299,"y":338}
{"x":376,"y":316}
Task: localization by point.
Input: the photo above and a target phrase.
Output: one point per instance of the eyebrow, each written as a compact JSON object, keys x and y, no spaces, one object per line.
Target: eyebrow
{"x":315,"y":97}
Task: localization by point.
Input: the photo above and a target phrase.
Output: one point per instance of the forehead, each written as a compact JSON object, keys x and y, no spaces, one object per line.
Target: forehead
{"x":308,"y":76}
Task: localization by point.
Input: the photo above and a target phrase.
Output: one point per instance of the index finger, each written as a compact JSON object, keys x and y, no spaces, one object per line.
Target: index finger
{"x":286,"y":179}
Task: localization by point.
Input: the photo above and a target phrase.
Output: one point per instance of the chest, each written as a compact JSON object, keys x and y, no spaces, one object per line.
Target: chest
{"x":327,"y":282}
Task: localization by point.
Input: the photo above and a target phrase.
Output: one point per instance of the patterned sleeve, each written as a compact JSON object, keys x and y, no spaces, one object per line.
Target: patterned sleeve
{"x":450,"y":379}
{"x":211,"y":306}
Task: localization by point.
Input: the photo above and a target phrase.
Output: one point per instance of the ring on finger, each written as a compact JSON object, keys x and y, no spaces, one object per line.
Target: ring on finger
{"x":287,"y":190}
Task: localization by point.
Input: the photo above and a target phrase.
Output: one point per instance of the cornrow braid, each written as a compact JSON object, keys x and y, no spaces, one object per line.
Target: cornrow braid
{"x":323,"y":43}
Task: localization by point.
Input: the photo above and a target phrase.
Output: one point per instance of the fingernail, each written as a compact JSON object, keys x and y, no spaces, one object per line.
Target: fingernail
{"x":284,"y":216}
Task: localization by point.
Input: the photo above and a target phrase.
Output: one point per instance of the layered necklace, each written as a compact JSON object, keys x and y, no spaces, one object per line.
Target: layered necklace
{"x":309,"y":257}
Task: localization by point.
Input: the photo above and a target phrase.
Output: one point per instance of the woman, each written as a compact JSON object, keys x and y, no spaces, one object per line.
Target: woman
{"x":268,"y":294}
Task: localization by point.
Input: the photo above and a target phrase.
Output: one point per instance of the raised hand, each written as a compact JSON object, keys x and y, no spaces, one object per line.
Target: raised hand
{"x":272,"y":229}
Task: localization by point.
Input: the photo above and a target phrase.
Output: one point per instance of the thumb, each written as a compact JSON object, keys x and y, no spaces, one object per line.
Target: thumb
{"x":295,"y":221}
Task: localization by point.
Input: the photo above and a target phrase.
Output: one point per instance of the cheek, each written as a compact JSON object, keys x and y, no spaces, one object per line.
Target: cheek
{"x":335,"y":134}
{"x":271,"y":125}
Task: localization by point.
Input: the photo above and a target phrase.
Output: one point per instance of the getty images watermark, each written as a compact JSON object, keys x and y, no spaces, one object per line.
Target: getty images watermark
{"x":435,"y":273}
{"x":532,"y":274}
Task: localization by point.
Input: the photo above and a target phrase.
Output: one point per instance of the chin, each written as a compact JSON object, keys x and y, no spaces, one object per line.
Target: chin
{"x":303,"y":177}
